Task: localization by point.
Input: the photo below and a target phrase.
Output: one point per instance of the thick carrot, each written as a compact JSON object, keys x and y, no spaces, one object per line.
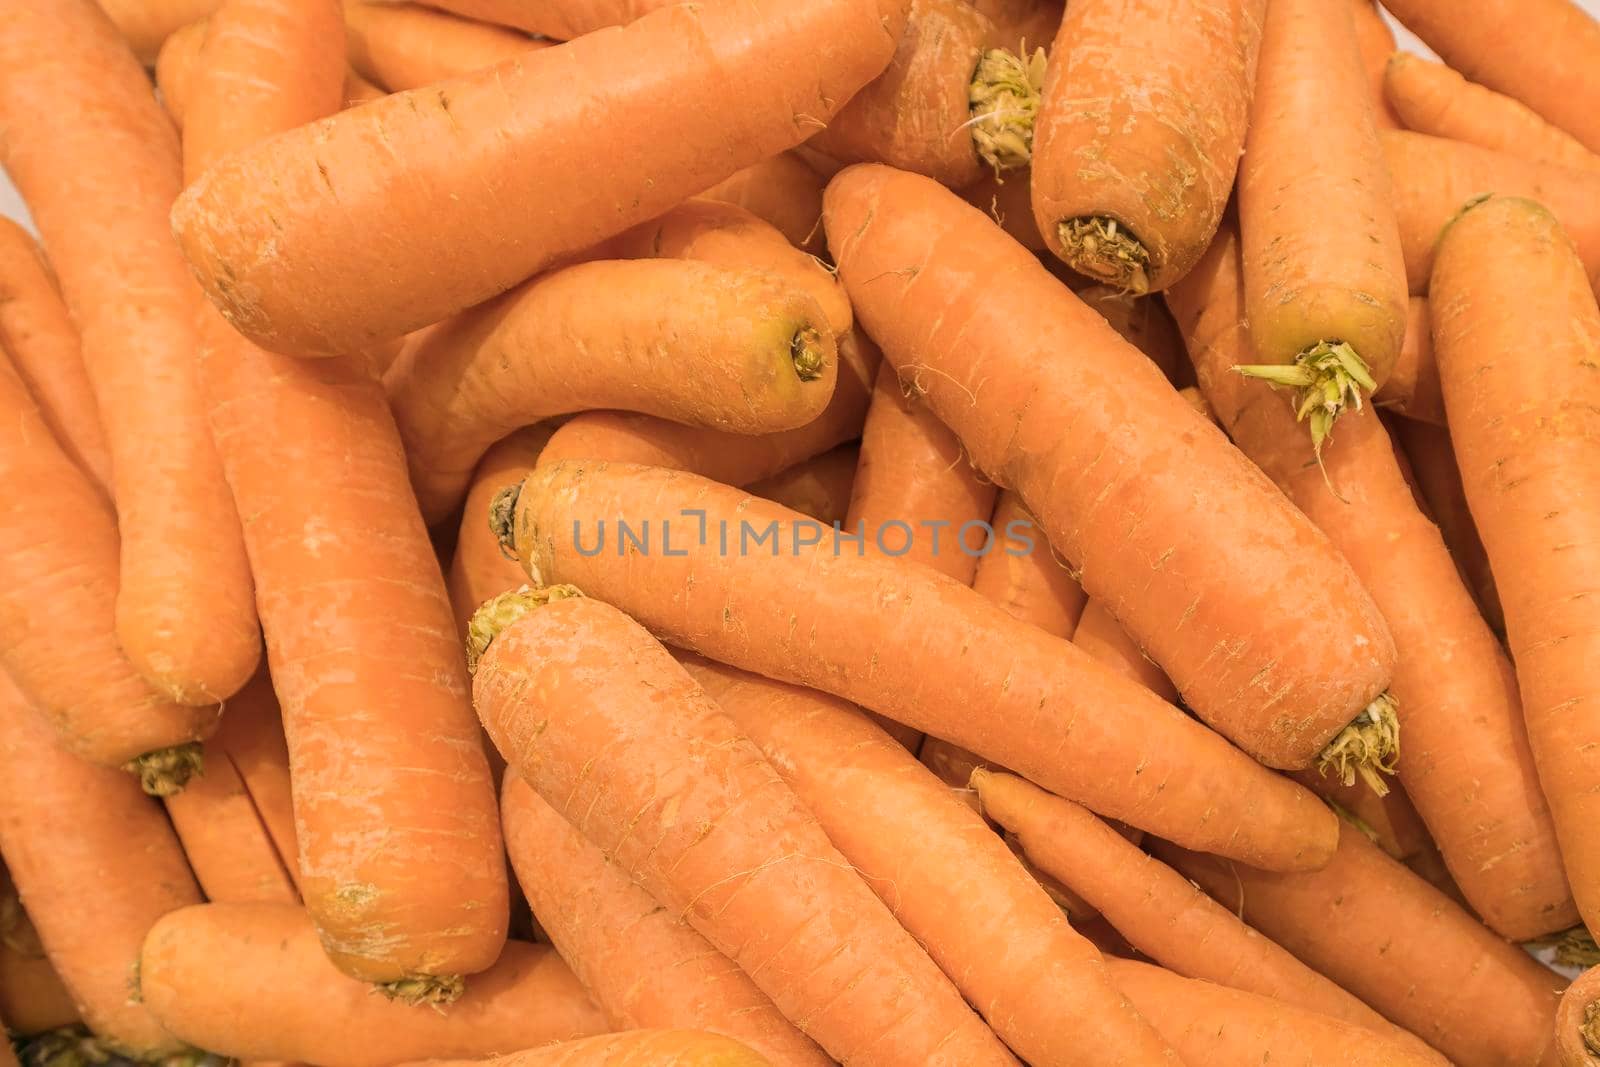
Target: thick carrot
{"x":1524,"y":434}
{"x":783,"y":190}
{"x":1434,"y":177}
{"x":818,"y":487}
{"x":33,"y":998}
{"x":399,"y":845}
{"x":147,"y":24}
{"x":722,"y":349}
{"x":1465,"y":761}
{"x":1187,"y":543}
{"x":688,"y":807}
{"x":643,"y":965}
{"x":224,"y":838}
{"x":1031,"y":585}
{"x":251,"y":981}
{"x":908,"y":643}
{"x":42,"y":343}
{"x":561,"y":21}
{"x":1324,"y":272}
{"x":508,"y":169}
{"x":1578,"y":1022}
{"x":478,"y":568}
{"x":97,"y":161}
{"x":1223,"y":1027}
{"x":1413,"y":386}
{"x":1100,"y":635}
{"x":1376,"y":41}
{"x":631,"y":1048}
{"x":1139,"y":132}
{"x":1399,"y":944}
{"x":404,"y":46}
{"x":1544,"y":53}
{"x":95,"y":864}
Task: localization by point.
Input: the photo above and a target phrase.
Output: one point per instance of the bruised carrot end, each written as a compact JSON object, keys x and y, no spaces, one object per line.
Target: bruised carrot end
{"x":1327,"y":378}
{"x":1368,"y":746}
{"x":1102,"y":248}
{"x":164,"y":772}
{"x":434,"y":990}
{"x":1004,"y":100}
{"x":501,"y":611}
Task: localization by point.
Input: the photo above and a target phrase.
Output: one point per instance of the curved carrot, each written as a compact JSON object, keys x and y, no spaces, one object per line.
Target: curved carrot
{"x":1050,"y":402}
{"x":1100,"y":635}
{"x":908,"y":643}
{"x":1376,"y":41}
{"x":97,"y":162}
{"x":33,"y":998}
{"x":1524,"y":435}
{"x":251,"y":981}
{"x":1413,"y":386}
{"x":1578,"y":1022}
{"x":227,"y":844}
{"x":723,"y":349}
{"x":405,"y":46}
{"x":631,"y":1048}
{"x":561,"y":20}
{"x":148,"y":24}
{"x":818,"y":487}
{"x":508,"y":170}
{"x":687,"y":805}
{"x":643,"y":964}
{"x":1139,"y":132}
{"x":479,"y":569}
{"x":784,"y":191}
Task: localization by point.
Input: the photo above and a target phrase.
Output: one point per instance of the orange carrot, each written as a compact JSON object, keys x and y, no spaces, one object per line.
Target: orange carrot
{"x":251,"y":981}
{"x":1143,"y":322}
{"x":97,"y":162}
{"x":1139,"y":133}
{"x":689,"y":808}
{"x":1389,"y":821}
{"x":175,"y":67}
{"x":404,"y":46}
{"x":33,"y":998}
{"x":643,"y":964}
{"x":1413,"y":386}
{"x":147,"y":24}
{"x":562,"y":21}
{"x":251,"y":736}
{"x":1030,"y":585}
{"x":718,"y":348}
{"x":1399,"y":944}
{"x":906,"y":642}
{"x":818,"y":487}
{"x":42,"y":343}
{"x":1050,"y":402}
{"x":1376,"y":41}
{"x":1544,"y":53}
{"x":507,"y":169}
{"x":1007,"y":201}
{"x":631,"y":1048}
{"x":783,"y":190}
{"x":1578,"y":1022}
{"x":478,"y":568}
{"x":358,"y":91}
{"x":1524,"y":435}
{"x":95,"y":864}
{"x":1100,"y":635}
{"x":1022,"y":22}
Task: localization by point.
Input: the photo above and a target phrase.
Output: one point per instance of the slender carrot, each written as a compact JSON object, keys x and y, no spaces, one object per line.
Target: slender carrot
{"x":688,"y":807}
{"x":404,"y":46}
{"x":1578,"y":1022}
{"x":251,"y":981}
{"x":1544,"y":53}
{"x":1399,"y":944}
{"x":783,"y":190}
{"x":1100,"y":635}
{"x":1030,"y":584}
{"x":1007,"y":201}
{"x":1050,"y":402}
{"x":33,"y":998}
{"x":147,"y":24}
{"x":1376,"y":41}
{"x":1524,"y":434}
{"x":643,"y":965}
{"x":906,"y":642}
{"x":478,"y":568}
{"x":632,"y":1048}
{"x":1139,"y":132}
{"x":251,"y":736}
{"x":97,"y":162}
{"x":1413,"y":386}
{"x":38,"y":336}
{"x":228,"y":846}
{"x":563,"y":21}
{"x":818,"y":487}
{"x":508,"y":170}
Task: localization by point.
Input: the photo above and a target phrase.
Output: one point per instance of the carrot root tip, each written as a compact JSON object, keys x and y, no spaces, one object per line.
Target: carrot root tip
{"x":1004,"y":100}
{"x":503,"y":519}
{"x":807,"y":353}
{"x":166,"y":771}
{"x":1367,"y":747}
{"x":1576,"y":948}
{"x":1327,"y":378}
{"x":499,"y":612}
{"x":434,"y":990}
{"x":1103,"y":249}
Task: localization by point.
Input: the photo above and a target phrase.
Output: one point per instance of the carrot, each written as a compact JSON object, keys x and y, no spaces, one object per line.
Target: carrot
{"x":1523,"y":434}
{"x":1578,"y":1022}
{"x":404,"y":46}
{"x":642,"y":964}
{"x":95,"y":864}
{"x":1389,"y":821}
{"x":1377,"y":44}
{"x":147,"y":24}
{"x":632,"y":1048}
{"x":953,"y":652}
{"x":721,"y":349}
{"x":1139,"y":132}
{"x":1541,"y":52}
{"x":784,"y":191}
{"x":251,"y":737}
{"x":561,"y":21}
{"x":1022,"y":22}
{"x":251,"y":981}
{"x":358,"y":91}
{"x":1032,"y":586}
{"x":1006,"y":201}
{"x":1143,"y":322}
{"x":1324,"y":273}
{"x":478,"y":568}
{"x":32,"y":996}
{"x":1224,"y":1027}
{"x":97,"y":162}
{"x":175,"y":67}
{"x":1399,"y":944}
{"x":1413,"y":386}
{"x":508,"y":170}
{"x":38,"y":336}
{"x":399,"y":846}
{"x":818,"y":487}
{"x":652,"y":792}
{"x":1162,"y":518}
{"x":1100,"y":635}
{"x":1434,"y":177}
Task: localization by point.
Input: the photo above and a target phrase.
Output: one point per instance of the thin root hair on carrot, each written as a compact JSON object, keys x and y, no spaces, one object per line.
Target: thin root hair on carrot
{"x":1368,"y":747}
{"x":1107,"y":251}
{"x":166,"y":771}
{"x":1327,"y":378}
{"x":432,"y":990}
{"x":1004,"y":97}
{"x":499,"y":612}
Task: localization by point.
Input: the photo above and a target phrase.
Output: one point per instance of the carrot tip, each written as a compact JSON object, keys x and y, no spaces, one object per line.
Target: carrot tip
{"x":502,"y":611}
{"x":1327,"y":378}
{"x":1004,"y":99}
{"x":1367,"y":747}
{"x":166,"y":771}
{"x":808,"y":354}
{"x":435,"y":990}
{"x":1103,"y":249}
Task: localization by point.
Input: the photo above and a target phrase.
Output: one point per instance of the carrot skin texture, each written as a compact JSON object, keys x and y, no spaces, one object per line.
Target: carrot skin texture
{"x":406,"y":46}
{"x":251,"y":981}
{"x":184,"y":611}
{"x":1377,"y":44}
{"x":643,"y":965}
{"x":1577,"y":1032}
{"x":479,"y":569}
{"x":697,"y":818}
{"x":354,"y":265}
{"x":1525,"y":438}
{"x":784,"y":191}
{"x":631,"y":1048}
{"x":1100,"y":635}
{"x":1050,"y":402}
{"x":1413,"y":386}
{"x":1033,"y":685}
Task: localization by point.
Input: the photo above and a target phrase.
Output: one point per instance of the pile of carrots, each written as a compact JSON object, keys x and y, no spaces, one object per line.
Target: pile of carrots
{"x":900,"y":533}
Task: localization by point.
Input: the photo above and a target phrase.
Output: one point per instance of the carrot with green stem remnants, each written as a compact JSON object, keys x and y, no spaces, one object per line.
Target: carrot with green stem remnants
{"x":631,"y":1048}
{"x":1578,"y":1022}
{"x":784,"y":191}
{"x":906,"y":642}
{"x":479,"y":569}
{"x":507,"y":168}
{"x":689,"y":809}
{"x":1524,"y":434}
{"x":251,"y":981}
{"x":1186,"y":542}
{"x":404,"y":46}
{"x":1376,"y":41}
{"x":644,"y":966}
{"x":818,"y":487}
{"x":1139,"y":131}
{"x":97,"y":162}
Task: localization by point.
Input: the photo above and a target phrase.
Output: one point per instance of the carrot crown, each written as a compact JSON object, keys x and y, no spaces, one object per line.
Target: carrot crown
{"x":1327,"y":378}
{"x":1367,"y":747}
{"x":503,"y":519}
{"x":501,"y":611}
{"x":434,"y":989}
{"x":1576,"y":948}
{"x":166,"y":771}
{"x":1104,"y":249}
{"x":1004,"y":100}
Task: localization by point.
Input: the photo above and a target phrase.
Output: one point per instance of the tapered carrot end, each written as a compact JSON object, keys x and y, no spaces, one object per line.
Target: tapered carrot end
{"x":1004,"y":100}
{"x":1103,"y":249}
{"x":166,"y":771}
{"x":433,"y":990}
{"x":1368,"y":747}
{"x":499,"y":612}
